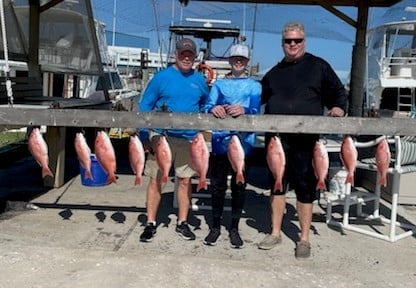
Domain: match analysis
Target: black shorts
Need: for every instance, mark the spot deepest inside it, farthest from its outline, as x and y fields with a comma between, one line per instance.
x=299, y=173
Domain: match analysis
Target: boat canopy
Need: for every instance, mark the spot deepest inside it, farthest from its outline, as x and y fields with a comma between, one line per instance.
x=67, y=36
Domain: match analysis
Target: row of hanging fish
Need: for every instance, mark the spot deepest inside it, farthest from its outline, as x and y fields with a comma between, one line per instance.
x=276, y=161
x=104, y=151
x=199, y=155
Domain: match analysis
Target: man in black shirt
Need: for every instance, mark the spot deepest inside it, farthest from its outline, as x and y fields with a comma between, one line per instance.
x=301, y=84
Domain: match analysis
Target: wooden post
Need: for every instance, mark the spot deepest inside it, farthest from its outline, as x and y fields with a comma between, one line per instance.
x=55, y=137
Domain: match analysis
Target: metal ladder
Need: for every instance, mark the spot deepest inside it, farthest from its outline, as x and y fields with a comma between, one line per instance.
x=405, y=99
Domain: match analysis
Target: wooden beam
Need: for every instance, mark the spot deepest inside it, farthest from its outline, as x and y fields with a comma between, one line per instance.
x=328, y=6
x=261, y=123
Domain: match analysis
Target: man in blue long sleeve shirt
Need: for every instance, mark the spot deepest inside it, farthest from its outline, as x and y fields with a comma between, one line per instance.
x=178, y=88
x=233, y=96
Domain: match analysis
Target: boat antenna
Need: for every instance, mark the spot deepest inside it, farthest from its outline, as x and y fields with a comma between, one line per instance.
x=114, y=21
x=156, y=19
x=6, y=56
x=254, y=31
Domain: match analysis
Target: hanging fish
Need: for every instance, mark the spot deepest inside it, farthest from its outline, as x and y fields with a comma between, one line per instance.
x=236, y=156
x=104, y=151
x=320, y=163
x=200, y=160
x=39, y=150
x=276, y=160
x=136, y=158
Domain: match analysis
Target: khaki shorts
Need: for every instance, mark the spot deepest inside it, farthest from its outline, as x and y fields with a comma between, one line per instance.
x=180, y=157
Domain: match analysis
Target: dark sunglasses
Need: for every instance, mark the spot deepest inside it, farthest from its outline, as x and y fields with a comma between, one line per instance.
x=296, y=40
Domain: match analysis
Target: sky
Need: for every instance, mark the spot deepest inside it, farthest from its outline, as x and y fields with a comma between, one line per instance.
x=327, y=36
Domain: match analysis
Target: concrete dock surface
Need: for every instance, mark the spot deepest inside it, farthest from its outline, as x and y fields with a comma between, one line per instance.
x=79, y=236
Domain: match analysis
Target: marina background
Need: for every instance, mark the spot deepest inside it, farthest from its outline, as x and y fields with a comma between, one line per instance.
x=328, y=36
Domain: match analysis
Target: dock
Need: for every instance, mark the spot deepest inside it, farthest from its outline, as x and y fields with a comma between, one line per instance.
x=83, y=236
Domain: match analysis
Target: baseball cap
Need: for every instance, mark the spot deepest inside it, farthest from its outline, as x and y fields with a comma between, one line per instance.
x=240, y=51
x=186, y=44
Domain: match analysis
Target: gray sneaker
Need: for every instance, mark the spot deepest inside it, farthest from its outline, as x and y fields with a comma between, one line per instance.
x=303, y=249
x=269, y=242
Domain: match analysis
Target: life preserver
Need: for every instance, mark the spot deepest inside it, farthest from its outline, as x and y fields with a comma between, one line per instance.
x=207, y=71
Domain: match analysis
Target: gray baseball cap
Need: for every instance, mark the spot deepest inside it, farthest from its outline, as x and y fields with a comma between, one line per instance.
x=186, y=44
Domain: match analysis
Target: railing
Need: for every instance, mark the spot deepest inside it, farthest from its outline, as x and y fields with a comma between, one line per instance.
x=21, y=117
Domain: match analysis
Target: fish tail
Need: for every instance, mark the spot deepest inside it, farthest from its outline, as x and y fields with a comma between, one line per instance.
x=239, y=179
x=202, y=185
x=383, y=181
x=88, y=174
x=138, y=180
x=164, y=179
x=278, y=186
x=321, y=185
x=46, y=171
x=350, y=179
x=111, y=178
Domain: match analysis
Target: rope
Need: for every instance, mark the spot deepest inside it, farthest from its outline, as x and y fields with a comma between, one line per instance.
x=6, y=56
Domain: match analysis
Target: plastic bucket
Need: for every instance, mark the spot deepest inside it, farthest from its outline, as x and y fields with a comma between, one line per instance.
x=337, y=177
x=98, y=174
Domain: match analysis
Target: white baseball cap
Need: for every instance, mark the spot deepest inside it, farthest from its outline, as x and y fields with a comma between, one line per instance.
x=239, y=50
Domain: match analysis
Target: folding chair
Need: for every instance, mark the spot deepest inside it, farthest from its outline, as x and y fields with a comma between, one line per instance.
x=358, y=198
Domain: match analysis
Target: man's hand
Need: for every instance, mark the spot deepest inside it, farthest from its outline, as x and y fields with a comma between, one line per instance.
x=336, y=112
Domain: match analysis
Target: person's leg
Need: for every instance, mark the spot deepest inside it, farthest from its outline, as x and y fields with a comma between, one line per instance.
x=153, y=196
x=219, y=175
x=183, y=171
x=277, y=206
x=218, y=178
x=277, y=209
x=304, y=211
x=184, y=198
x=238, y=193
x=305, y=189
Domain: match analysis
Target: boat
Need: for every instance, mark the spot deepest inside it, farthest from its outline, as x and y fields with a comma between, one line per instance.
x=217, y=35
x=391, y=67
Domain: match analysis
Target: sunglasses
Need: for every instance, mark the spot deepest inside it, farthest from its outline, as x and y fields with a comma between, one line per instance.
x=296, y=40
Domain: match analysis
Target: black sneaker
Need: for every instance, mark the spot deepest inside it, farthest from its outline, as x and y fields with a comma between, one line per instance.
x=184, y=230
x=235, y=239
x=148, y=233
x=212, y=237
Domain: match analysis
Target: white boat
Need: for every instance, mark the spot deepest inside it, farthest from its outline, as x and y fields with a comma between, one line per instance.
x=217, y=35
x=391, y=67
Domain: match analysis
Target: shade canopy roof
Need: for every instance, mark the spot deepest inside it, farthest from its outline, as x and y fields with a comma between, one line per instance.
x=370, y=3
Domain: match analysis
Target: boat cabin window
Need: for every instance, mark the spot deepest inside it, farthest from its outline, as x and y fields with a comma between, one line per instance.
x=113, y=81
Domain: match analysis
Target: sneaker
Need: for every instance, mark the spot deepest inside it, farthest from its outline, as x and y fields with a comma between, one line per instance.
x=148, y=233
x=269, y=242
x=212, y=237
x=184, y=230
x=303, y=249
x=235, y=239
